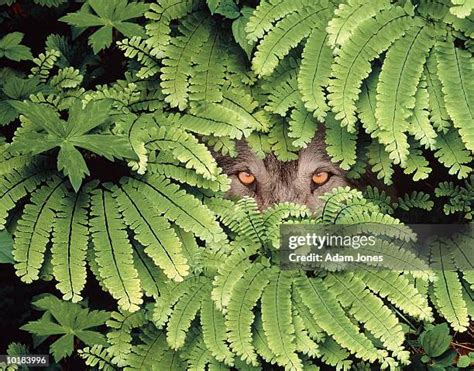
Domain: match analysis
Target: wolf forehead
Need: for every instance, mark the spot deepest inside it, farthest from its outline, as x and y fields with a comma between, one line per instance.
x=280, y=181
x=310, y=159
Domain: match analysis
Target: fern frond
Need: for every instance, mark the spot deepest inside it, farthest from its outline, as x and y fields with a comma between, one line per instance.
x=283, y=92
x=416, y=199
x=314, y=73
x=280, y=142
x=260, y=342
x=332, y=318
x=69, y=258
x=381, y=163
x=462, y=8
x=303, y=342
x=277, y=320
x=420, y=126
x=447, y=288
x=417, y=165
x=170, y=294
x=160, y=15
x=311, y=326
x=239, y=316
x=179, y=55
x=276, y=214
x=367, y=308
x=214, y=332
x=400, y=292
x=184, y=312
x=152, y=230
x=97, y=356
x=141, y=51
x=183, y=175
x=33, y=231
x=266, y=13
x=208, y=73
x=352, y=64
x=214, y=119
x=455, y=70
x=339, y=203
x=334, y=355
x=119, y=337
x=366, y=105
x=150, y=351
x=302, y=126
x=401, y=73
x=248, y=221
x=379, y=198
x=243, y=105
x=178, y=206
x=16, y=184
x=349, y=16
x=224, y=145
x=44, y=64
x=438, y=113
x=191, y=250
x=197, y=355
x=67, y=78
x=114, y=252
x=453, y=155
x=151, y=277
x=285, y=35
x=228, y=275
x=122, y=94
x=259, y=144
x=341, y=144
x=460, y=198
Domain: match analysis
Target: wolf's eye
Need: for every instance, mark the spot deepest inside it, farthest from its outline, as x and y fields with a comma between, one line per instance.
x=320, y=177
x=246, y=178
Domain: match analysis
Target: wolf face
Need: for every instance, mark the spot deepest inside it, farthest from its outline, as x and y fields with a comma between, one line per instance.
x=271, y=181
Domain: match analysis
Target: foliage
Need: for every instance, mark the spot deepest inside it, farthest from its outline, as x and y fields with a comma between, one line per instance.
x=108, y=176
x=67, y=320
x=11, y=48
x=110, y=15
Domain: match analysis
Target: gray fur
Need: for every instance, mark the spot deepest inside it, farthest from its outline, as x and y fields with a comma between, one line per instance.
x=278, y=181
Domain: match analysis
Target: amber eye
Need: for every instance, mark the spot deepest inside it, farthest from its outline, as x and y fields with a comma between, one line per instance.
x=246, y=178
x=320, y=177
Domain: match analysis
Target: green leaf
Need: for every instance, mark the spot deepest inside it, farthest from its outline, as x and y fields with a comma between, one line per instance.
x=302, y=126
x=72, y=164
x=68, y=320
x=6, y=247
x=455, y=70
x=69, y=258
x=11, y=48
x=352, y=65
x=113, y=251
x=277, y=320
x=239, y=317
x=228, y=8
x=314, y=73
x=341, y=144
x=464, y=361
x=285, y=35
x=34, y=227
x=238, y=30
x=453, y=154
x=436, y=340
x=398, y=81
x=153, y=231
x=109, y=15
